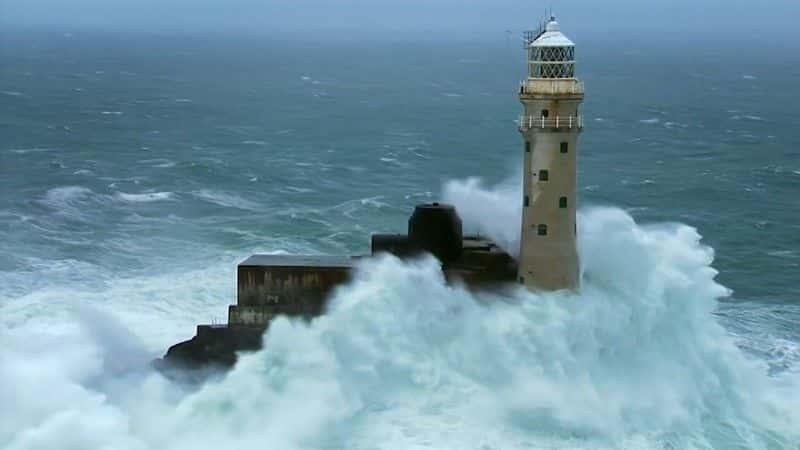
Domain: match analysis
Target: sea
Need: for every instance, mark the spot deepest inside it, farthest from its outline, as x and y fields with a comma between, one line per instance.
x=136, y=170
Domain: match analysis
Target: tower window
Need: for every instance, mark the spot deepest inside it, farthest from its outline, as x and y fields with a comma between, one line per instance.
x=522, y=280
x=527, y=146
x=562, y=202
x=545, y=113
x=564, y=147
x=544, y=175
x=541, y=230
x=526, y=201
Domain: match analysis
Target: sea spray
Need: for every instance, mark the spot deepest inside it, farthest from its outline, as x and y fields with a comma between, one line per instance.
x=495, y=211
x=403, y=360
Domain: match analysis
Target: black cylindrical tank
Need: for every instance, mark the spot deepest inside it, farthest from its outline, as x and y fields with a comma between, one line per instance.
x=436, y=228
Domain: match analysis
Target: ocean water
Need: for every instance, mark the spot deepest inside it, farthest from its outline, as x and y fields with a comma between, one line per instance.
x=135, y=171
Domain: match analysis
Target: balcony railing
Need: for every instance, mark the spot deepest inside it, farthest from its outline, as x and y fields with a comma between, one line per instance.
x=558, y=122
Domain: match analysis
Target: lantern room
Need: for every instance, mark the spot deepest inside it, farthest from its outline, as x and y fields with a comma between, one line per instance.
x=551, y=54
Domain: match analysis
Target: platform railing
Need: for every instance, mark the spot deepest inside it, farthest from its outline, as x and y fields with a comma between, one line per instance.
x=558, y=122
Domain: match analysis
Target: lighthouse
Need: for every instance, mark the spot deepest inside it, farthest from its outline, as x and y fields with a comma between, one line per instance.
x=549, y=124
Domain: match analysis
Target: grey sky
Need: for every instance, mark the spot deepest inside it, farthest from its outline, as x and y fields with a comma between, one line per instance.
x=723, y=17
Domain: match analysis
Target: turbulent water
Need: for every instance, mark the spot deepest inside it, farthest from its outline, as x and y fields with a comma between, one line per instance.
x=135, y=171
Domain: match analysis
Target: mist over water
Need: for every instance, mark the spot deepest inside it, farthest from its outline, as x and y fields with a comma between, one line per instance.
x=131, y=183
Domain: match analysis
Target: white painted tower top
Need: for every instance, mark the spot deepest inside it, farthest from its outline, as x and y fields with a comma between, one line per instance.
x=552, y=36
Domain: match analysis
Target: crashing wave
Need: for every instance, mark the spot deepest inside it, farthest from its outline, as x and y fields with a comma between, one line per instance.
x=401, y=359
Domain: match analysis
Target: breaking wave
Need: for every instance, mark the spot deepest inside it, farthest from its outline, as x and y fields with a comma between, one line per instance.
x=403, y=360
x=495, y=211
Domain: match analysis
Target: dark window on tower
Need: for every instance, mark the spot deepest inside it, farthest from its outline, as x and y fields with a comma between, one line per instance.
x=526, y=200
x=541, y=230
x=527, y=146
x=545, y=113
x=544, y=175
x=564, y=147
x=562, y=202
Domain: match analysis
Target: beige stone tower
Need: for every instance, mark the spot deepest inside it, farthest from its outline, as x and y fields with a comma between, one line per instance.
x=550, y=125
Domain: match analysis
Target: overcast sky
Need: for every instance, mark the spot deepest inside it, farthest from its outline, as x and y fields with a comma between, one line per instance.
x=731, y=18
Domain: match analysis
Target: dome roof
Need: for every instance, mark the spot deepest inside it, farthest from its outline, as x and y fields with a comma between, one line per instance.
x=552, y=37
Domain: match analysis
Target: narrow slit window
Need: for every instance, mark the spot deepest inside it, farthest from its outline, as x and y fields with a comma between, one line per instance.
x=527, y=146
x=562, y=202
x=527, y=201
x=544, y=175
x=541, y=230
x=564, y=147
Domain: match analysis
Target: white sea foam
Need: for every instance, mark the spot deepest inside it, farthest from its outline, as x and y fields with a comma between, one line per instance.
x=23, y=151
x=226, y=200
x=651, y=120
x=111, y=113
x=62, y=196
x=748, y=117
x=145, y=197
x=495, y=211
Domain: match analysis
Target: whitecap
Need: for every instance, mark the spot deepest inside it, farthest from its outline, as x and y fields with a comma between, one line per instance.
x=749, y=77
x=297, y=189
x=227, y=200
x=67, y=193
x=651, y=120
x=111, y=113
x=23, y=151
x=67, y=200
x=145, y=197
x=13, y=93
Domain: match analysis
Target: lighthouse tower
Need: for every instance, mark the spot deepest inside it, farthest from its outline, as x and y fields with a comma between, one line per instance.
x=550, y=124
